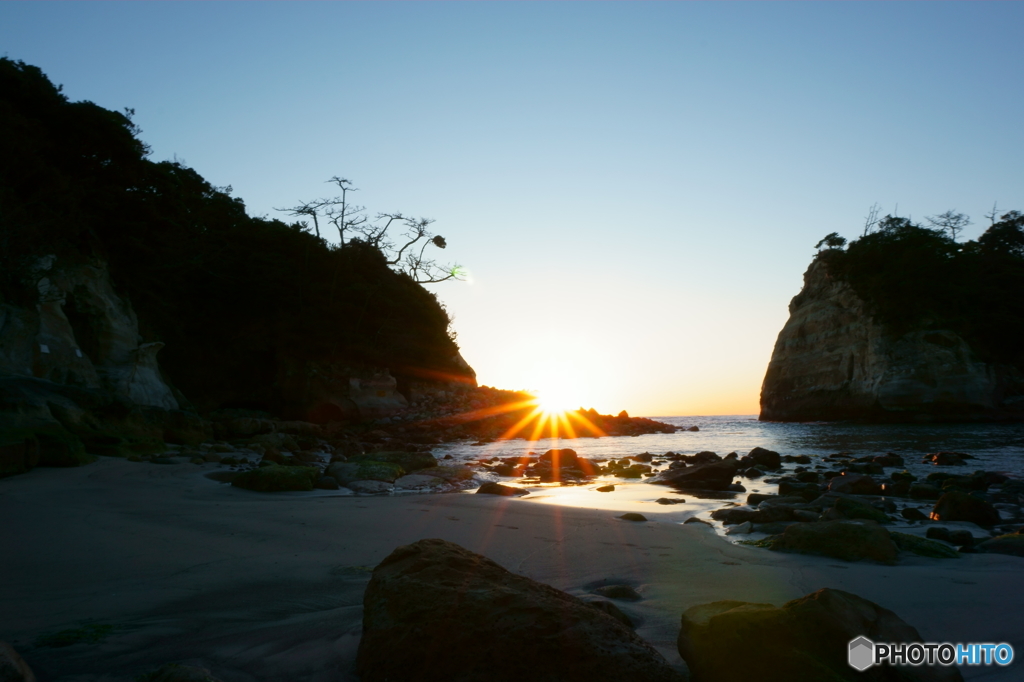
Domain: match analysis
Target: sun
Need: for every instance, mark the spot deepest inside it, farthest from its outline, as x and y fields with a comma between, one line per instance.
x=551, y=412
x=554, y=400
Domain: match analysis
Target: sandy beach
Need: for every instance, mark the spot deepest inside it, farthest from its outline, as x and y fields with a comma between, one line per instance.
x=259, y=586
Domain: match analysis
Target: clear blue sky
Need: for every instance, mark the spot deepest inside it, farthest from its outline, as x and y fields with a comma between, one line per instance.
x=635, y=188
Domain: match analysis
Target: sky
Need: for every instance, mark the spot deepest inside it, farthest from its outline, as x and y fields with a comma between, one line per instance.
x=634, y=189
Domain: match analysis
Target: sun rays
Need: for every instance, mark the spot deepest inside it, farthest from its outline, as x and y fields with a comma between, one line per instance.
x=534, y=418
x=549, y=418
x=554, y=400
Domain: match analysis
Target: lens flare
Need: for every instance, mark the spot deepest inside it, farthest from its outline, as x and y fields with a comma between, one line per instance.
x=554, y=401
x=533, y=415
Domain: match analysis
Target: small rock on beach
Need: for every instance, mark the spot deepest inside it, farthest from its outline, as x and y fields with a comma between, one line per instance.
x=492, y=488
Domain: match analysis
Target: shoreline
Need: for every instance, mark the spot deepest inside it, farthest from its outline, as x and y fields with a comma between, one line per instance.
x=254, y=585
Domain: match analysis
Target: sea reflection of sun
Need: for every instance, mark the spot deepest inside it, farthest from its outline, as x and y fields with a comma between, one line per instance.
x=545, y=415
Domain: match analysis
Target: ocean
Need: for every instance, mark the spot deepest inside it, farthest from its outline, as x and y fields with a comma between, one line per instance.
x=996, y=447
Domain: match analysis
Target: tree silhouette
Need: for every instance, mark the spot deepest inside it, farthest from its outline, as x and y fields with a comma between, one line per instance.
x=831, y=241
x=871, y=219
x=950, y=221
x=335, y=210
x=913, y=277
x=409, y=255
x=1005, y=237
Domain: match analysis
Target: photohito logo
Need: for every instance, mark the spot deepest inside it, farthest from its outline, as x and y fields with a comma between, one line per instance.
x=863, y=653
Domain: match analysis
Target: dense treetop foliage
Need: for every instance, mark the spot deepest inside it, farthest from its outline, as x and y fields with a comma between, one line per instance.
x=914, y=277
x=231, y=295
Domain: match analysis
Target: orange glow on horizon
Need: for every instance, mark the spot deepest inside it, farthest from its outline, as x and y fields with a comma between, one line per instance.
x=534, y=420
x=556, y=421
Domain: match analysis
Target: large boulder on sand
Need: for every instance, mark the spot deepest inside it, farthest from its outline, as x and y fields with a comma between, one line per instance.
x=806, y=640
x=957, y=506
x=436, y=611
x=846, y=540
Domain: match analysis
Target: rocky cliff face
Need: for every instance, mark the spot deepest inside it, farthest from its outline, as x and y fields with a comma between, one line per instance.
x=322, y=392
x=833, y=361
x=76, y=379
x=75, y=331
x=79, y=332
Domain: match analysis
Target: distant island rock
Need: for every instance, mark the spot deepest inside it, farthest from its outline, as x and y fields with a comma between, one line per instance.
x=903, y=356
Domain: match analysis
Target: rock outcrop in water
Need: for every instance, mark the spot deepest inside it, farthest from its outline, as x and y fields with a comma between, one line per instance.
x=834, y=360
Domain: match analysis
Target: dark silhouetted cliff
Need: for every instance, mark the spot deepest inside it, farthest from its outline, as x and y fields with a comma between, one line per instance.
x=250, y=312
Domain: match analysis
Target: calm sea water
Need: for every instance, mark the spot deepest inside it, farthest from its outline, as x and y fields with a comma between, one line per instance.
x=997, y=447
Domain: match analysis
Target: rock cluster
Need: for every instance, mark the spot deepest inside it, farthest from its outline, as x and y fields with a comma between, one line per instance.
x=842, y=513
x=369, y=473
x=429, y=605
x=47, y=424
x=707, y=471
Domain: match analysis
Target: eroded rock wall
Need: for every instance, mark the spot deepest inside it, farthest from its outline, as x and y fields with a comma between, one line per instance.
x=832, y=360
x=79, y=332
x=322, y=392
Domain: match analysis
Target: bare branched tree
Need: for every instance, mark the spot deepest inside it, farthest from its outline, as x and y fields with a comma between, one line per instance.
x=335, y=210
x=871, y=220
x=994, y=213
x=345, y=217
x=409, y=256
x=311, y=209
x=950, y=221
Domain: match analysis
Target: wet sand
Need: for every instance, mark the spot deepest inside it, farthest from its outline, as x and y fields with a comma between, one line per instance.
x=258, y=586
